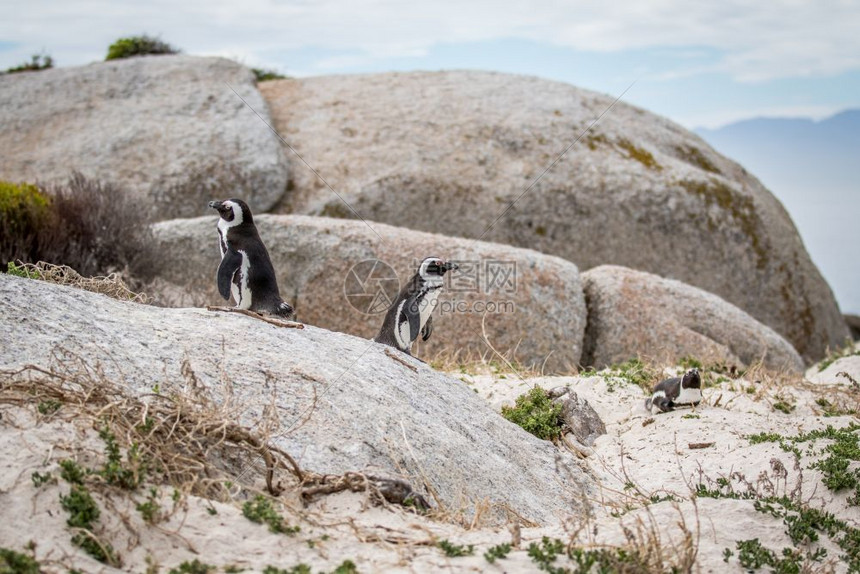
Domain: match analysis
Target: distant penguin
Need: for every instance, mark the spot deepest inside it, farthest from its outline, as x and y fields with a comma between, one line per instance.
x=686, y=390
x=246, y=271
x=409, y=315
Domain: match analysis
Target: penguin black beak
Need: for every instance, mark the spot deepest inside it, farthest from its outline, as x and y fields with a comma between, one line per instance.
x=450, y=265
x=215, y=204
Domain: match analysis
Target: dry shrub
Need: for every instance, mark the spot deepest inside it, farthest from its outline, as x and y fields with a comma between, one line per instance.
x=186, y=436
x=111, y=285
x=94, y=227
x=188, y=439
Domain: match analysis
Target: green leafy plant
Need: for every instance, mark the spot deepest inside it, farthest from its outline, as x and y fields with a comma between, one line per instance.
x=346, y=567
x=263, y=75
x=128, y=475
x=24, y=212
x=83, y=514
x=841, y=453
x=194, y=567
x=12, y=562
x=545, y=553
x=83, y=510
x=752, y=555
x=151, y=509
x=536, y=413
x=634, y=372
x=688, y=363
x=72, y=472
x=831, y=410
x=847, y=350
x=37, y=62
x=455, y=550
x=49, y=406
x=20, y=271
x=297, y=569
x=260, y=510
x=40, y=479
x=138, y=46
x=783, y=405
x=497, y=552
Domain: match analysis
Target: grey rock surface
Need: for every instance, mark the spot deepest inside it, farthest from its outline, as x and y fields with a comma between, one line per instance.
x=361, y=409
x=853, y=322
x=633, y=313
x=533, y=302
x=166, y=127
x=449, y=152
x=581, y=418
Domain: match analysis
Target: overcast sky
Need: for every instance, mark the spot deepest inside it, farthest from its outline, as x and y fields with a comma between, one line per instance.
x=699, y=63
x=702, y=64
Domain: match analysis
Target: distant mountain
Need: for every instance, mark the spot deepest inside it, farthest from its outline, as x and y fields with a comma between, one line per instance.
x=813, y=167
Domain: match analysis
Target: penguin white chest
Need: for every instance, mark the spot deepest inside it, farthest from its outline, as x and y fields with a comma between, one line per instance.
x=428, y=304
x=239, y=286
x=425, y=305
x=689, y=396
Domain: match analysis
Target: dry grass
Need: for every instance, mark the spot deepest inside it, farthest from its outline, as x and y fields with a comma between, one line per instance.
x=188, y=440
x=111, y=285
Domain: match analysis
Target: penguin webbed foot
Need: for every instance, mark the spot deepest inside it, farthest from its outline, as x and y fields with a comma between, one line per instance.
x=257, y=315
x=284, y=310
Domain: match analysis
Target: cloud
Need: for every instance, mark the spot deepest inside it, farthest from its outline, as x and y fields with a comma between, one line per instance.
x=757, y=41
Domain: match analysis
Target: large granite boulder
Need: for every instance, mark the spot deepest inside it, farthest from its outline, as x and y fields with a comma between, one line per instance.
x=167, y=127
x=449, y=152
x=344, y=404
x=633, y=313
x=853, y=322
x=343, y=274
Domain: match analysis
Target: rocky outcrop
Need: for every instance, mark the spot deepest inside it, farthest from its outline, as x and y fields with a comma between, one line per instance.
x=632, y=313
x=450, y=152
x=341, y=275
x=581, y=419
x=169, y=128
x=343, y=402
x=853, y=322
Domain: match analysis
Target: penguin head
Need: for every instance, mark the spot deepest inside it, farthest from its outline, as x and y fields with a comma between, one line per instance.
x=233, y=211
x=691, y=379
x=432, y=269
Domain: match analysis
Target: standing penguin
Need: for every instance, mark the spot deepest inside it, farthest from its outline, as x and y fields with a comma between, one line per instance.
x=686, y=390
x=246, y=271
x=409, y=315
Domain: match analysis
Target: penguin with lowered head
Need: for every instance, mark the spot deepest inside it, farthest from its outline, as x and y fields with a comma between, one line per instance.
x=246, y=271
x=409, y=315
x=668, y=394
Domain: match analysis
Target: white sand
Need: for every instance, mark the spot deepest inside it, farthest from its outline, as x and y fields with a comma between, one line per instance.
x=630, y=461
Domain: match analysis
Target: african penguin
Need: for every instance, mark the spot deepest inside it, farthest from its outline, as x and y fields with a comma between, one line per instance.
x=409, y=315
x=686, y=390
x=246, y=271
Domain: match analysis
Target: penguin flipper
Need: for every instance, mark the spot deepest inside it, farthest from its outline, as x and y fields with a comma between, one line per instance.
x=409, y=313
x=427, y=330
x=230, y=263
